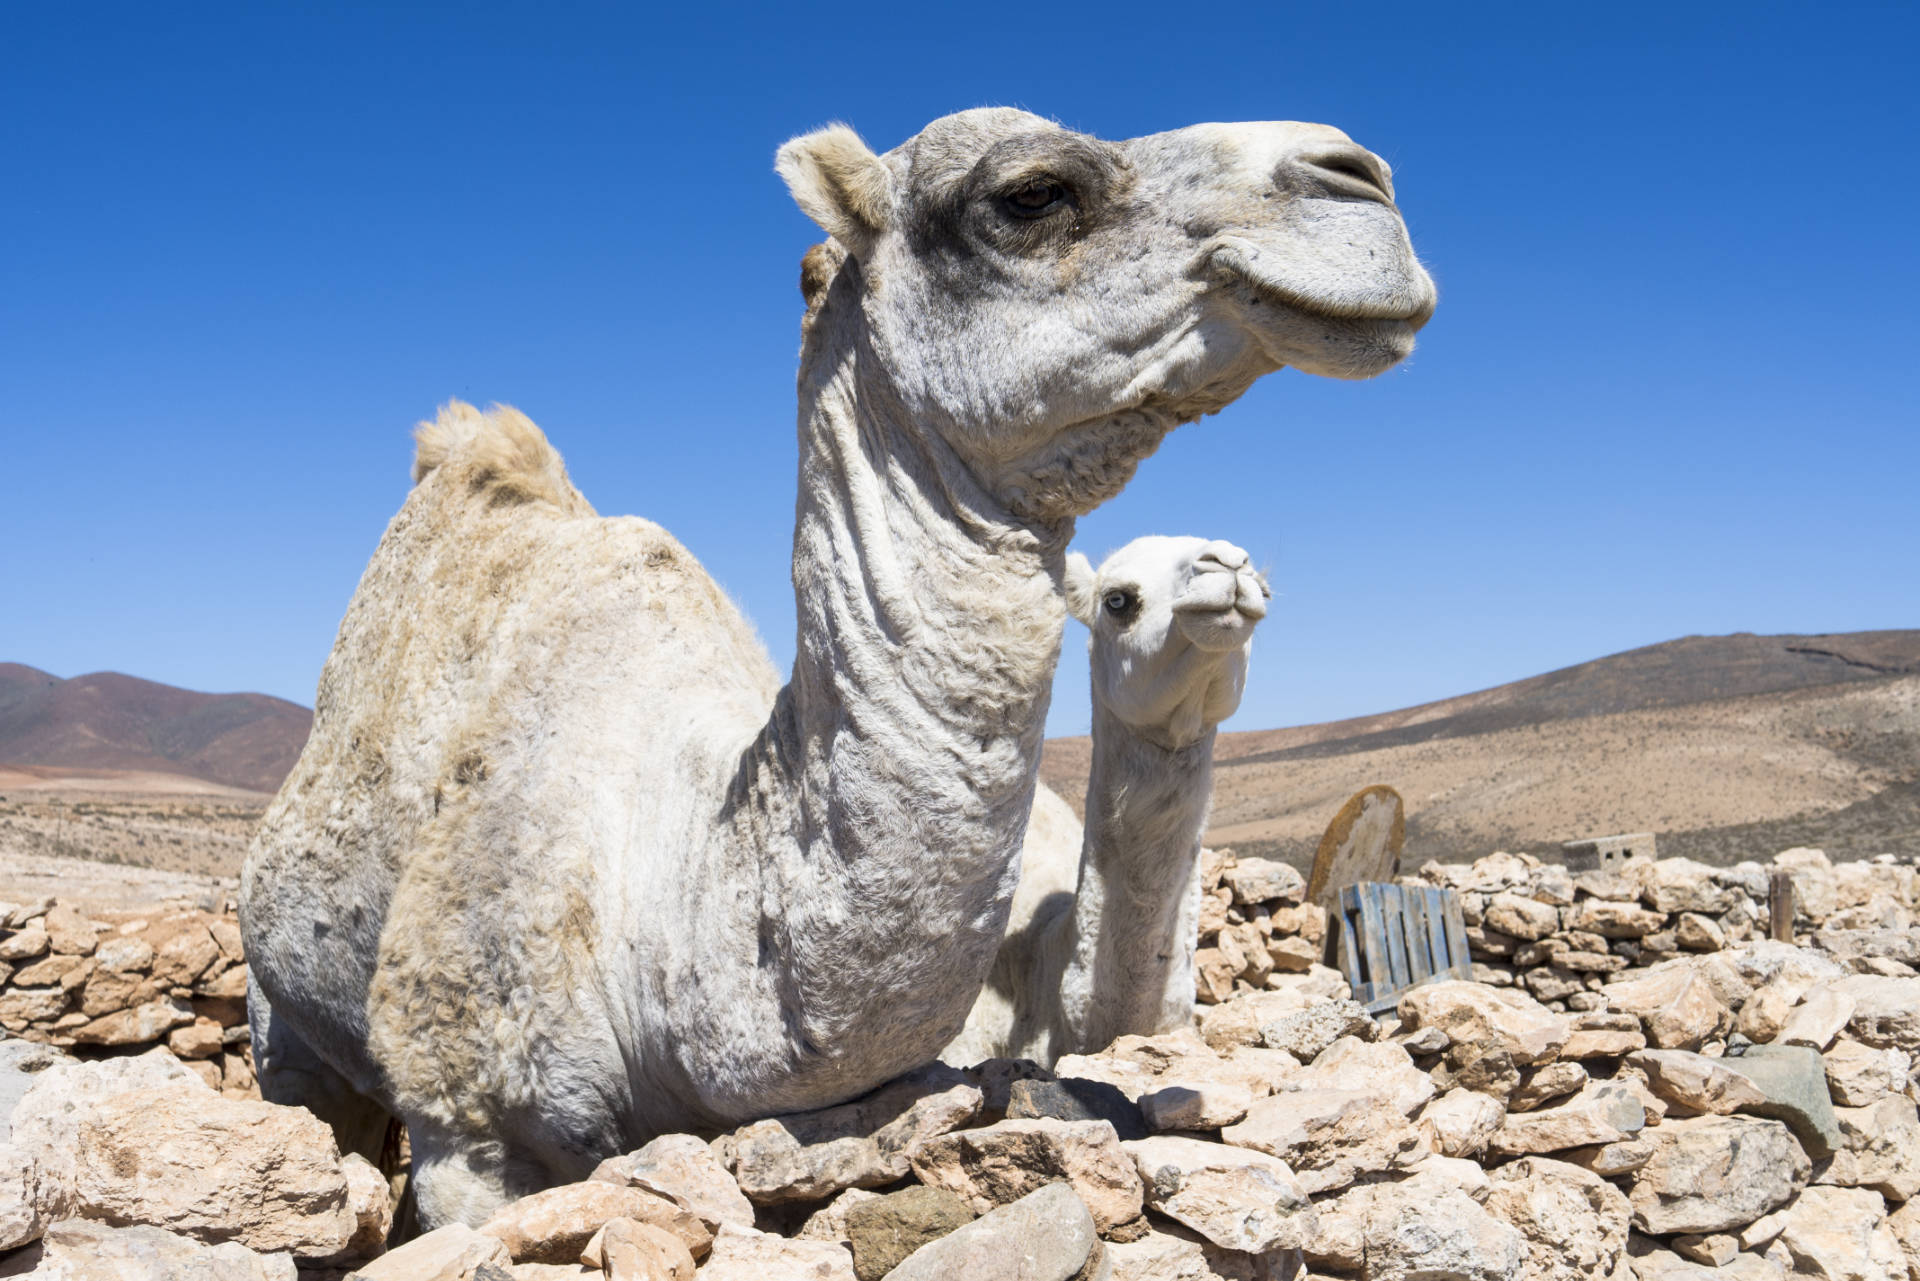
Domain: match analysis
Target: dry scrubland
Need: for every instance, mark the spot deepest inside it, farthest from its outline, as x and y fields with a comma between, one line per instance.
x=1636, y=1086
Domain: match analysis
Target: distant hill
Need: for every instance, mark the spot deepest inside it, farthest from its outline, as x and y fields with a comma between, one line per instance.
x=1728, y=746
x=107, y=721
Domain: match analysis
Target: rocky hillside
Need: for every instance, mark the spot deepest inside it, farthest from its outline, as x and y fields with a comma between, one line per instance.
x=107, y=721
x=1727, y=746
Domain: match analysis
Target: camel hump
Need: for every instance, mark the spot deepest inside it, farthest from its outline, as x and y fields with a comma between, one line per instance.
x=505, y=458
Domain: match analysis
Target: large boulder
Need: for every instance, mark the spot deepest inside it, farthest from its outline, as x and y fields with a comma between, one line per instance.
x=1716, y=1173
x=1574, y=1221
x=183, y=1158
x=1236, y=1198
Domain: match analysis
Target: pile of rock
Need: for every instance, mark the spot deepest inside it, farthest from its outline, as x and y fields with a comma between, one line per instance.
x=123, y=982
x=1564, y=936
x=1746, y=1112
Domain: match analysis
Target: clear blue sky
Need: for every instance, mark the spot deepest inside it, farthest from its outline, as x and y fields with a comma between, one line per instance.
x=1670, y=387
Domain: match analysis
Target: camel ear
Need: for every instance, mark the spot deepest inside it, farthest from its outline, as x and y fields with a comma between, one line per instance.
x=1080, y=587
x=839, y=183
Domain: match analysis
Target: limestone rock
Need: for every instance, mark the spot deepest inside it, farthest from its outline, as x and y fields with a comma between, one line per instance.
x=444, y=1254
x=1612, y=919
x=1174, y=1253
x=1520, y=916
x=1820, y=1017
x=1603, y=1043
x=810, y=1156
x=1574, y=1221
x=68, y=931
x=186, y=1159
x=1905, y=1226
x=1840, y=1234
x=1546, y=1083
x=1460, y=1122
x=1487, y=1018
x=1601, y=1113
x=1765, y=1014
x=629, y=1250
x=1676, y=1005
x=1672, y=885
x=1412, y=1232
x=1697, y=1083
x=1859, y=1076
x=137, y=1026
x=1610, y=1160
x=1239, y=1021
x=1260, y=880
x=553, y=1226
x=1879, y=1148
x=1046, y=1235
x=829, y=1222
x=24, y=945
x=47, y=1119
x=744, y=1254
x=20, y=1217
x=1201, y=1105
x=1716, y=1174
x=1329, y=1137
x=1305, y=1033
x=886, y=1229
x=1886, y=1010
x=82, y=1250
x=1381, y=1066
x=369, y=1199
x=1235, y=1198
x=683, y=1169
x=1139, y=1064
x=1002, y=1163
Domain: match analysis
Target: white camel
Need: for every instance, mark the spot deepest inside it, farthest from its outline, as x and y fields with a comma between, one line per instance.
x=1101, y=937
x=564, y=866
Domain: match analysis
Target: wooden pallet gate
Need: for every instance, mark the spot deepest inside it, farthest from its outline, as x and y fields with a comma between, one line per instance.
x=1388, y=938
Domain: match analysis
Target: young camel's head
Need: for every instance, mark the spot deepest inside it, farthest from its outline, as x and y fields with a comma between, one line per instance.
x=1052, y=304
x=1172, y=622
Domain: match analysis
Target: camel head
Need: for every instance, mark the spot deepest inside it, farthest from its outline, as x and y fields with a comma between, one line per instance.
x=1172, y=622
x=1052, y=303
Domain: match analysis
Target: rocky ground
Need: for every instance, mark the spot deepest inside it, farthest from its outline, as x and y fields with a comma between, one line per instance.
x=1636, y=1086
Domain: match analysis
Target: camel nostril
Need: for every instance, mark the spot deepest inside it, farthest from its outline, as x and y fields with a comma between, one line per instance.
x=1352, y=172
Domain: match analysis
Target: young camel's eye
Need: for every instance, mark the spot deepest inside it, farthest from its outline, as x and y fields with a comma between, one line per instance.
x=1036, y=198
x=1119, y=602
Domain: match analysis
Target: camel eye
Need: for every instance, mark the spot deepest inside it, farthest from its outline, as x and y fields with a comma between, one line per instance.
x=1035, y=198
x=1119, y=602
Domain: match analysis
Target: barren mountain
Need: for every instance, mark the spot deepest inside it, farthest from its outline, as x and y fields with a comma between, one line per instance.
x=106, y=721
x=1727, y=746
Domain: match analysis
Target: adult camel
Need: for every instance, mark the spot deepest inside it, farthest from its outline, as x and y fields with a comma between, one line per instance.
x=564, y=866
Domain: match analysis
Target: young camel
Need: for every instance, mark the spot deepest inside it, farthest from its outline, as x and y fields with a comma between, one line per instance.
x=1101, y=937
x=563, y=866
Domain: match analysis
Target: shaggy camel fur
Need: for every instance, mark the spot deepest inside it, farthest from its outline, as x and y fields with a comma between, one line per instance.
x=563, y=866
x=1101, y=937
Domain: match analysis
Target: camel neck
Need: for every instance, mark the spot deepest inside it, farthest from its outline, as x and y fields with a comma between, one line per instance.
x=929, y=624
x=1130, y=936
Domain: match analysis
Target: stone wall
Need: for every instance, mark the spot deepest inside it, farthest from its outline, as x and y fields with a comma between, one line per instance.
x=122, y=982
